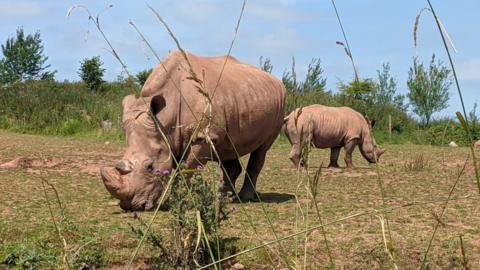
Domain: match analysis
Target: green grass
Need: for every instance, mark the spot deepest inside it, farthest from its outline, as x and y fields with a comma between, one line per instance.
x=27, y=233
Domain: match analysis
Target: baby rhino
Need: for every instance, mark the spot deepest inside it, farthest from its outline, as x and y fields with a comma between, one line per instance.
x=330, y=127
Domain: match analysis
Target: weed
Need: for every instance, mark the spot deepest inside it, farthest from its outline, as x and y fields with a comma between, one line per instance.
x=199, y=213
x=416, y=164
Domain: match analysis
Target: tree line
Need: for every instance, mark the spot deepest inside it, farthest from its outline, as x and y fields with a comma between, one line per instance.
x=428, y=84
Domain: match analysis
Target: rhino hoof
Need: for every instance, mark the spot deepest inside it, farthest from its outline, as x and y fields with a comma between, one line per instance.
x=248, y=196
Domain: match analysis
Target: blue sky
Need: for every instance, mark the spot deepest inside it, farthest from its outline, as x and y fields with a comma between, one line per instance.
x=378, y=31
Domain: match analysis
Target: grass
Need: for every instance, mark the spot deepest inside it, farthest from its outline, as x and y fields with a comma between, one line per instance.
x=25, y=222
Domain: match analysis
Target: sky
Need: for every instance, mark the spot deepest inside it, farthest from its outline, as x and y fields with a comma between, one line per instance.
x=378, y=32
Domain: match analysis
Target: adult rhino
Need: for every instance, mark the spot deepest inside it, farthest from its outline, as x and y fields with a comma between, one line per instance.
x=245, y=117
x=330, y=127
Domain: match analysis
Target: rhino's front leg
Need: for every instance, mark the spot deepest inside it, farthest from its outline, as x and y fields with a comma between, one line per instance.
x=255, y=165
x=231, y=171
x=349, y=147
x=334, y=153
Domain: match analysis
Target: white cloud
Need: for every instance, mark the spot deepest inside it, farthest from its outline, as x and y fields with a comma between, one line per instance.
x=469, y=70
x=20, y=9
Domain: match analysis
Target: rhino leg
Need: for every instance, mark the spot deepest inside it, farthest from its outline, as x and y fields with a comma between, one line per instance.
x=334, y=153
x=295, y=155
x=255, y=165
x=349, y=147
x=231, y=171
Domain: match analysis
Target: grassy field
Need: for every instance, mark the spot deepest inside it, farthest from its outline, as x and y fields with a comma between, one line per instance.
x=417, y=181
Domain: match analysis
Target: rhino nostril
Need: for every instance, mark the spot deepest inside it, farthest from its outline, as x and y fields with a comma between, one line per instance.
x=122, y=167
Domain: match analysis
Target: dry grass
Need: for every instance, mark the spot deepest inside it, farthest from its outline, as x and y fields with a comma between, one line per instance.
x=358, y=242
x=418, y=163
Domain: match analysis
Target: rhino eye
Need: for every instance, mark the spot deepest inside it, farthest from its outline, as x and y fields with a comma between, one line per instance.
x=149, y=166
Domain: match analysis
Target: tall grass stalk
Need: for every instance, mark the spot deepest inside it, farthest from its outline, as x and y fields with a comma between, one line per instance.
x=390, y=244
x=164, y=68
x=457, y=84
x=55, y=224
x=374, y=212
x=444, y=208
x=205, y=93
x=96, y=22
x=157, y=126
x=464, y=256
x=208, y=108
x=313, y=191
x=346, y=40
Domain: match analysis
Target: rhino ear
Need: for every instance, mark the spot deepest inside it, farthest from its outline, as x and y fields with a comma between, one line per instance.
x=157, y=103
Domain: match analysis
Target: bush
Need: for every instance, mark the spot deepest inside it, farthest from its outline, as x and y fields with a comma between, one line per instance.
x=142, y=76
x=91, y=72
x=180, y=246
x=51, y=108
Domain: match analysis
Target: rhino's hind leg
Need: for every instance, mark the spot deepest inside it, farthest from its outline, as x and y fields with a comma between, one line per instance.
x=231, y=171
x=349, y=147
x=334, y=153
x=255, y=165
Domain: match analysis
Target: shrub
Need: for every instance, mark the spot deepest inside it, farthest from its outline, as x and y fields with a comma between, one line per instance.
x=52, y=108
x=23, y=59
x=186, y=246
x=91, y=72
x=142, y=76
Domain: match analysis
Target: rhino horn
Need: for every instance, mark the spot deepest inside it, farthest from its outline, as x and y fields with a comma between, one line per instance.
x=114, y=183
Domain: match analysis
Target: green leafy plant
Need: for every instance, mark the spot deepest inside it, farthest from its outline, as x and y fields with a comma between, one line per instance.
x=142, y=76
x=23, y=59
x=428, y=88
x=91, y=72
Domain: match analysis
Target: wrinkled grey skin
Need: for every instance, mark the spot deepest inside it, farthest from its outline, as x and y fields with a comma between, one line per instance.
x=330, y=127
x=246, y=117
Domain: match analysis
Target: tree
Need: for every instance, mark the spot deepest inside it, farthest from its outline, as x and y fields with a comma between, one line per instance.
x=142, y=76
x=266, y=65
x=358, y=89
x=428, y=89
x=386, y=88
x=91, y=72
x=23, y=59
x=314, y=81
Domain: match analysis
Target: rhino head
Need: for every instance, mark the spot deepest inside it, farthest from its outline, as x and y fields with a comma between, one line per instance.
x=133, y=179
x=368, y=148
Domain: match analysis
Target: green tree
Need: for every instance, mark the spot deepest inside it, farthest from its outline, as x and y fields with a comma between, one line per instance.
x=428, y=88
x=386, y=90
x=358, y=89
x=91, y=72
x=23, y=59
x=142, y=76
x=314, y=81
x=266, y=65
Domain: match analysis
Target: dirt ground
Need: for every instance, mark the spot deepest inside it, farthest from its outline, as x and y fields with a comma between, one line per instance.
x=414, y=196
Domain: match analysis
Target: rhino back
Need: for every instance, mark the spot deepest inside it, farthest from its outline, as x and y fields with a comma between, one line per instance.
x=334, y=126
x=247, y=103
